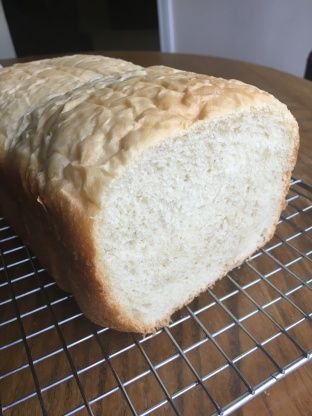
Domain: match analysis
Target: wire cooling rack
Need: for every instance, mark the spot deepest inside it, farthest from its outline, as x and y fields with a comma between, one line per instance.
x=229, y=345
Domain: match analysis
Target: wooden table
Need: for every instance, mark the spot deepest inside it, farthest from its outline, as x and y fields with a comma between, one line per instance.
x=291, y=396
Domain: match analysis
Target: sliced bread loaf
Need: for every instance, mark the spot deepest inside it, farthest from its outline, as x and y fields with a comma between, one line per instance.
x=138, y=188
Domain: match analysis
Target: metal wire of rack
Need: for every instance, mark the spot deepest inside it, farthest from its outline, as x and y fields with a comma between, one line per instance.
x=51, y=357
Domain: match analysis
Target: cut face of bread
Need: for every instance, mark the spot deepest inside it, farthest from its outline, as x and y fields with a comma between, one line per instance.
x=190, y=209
x=138, y=188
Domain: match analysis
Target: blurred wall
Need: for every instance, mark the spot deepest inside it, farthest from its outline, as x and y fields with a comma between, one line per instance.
x=6, y=45
x=43, y=27
x=275, y=33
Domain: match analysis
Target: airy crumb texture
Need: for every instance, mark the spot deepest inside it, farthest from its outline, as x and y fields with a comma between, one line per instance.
x=137, y=188
x=190, y=209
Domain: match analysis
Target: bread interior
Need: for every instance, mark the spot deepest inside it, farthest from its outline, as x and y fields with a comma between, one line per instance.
x=190, y=208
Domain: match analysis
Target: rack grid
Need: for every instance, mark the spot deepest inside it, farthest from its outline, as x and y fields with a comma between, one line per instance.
x=230, y=344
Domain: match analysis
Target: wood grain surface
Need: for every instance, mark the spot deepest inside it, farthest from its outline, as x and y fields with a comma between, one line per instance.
x=75, y=360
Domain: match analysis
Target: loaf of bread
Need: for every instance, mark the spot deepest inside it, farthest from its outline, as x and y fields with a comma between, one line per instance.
x=137, y=188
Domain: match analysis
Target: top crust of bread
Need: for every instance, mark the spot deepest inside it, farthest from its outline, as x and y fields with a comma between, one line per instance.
x=88, y=123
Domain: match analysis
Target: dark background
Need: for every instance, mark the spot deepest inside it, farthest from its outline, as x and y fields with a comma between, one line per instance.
x=41, y=27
